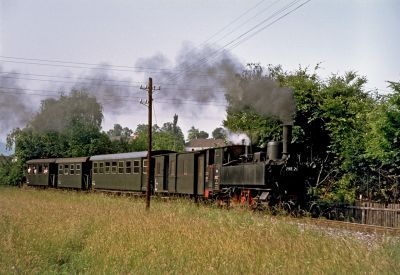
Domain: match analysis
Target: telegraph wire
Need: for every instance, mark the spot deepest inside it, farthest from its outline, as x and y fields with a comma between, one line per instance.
x=108, y=67
x=241, y=39
x=263, y=28
x=68, y=77
x=220, y=50
x=82, y=63
x=62, y=92
x=102, y=67
x=99, y=66
x=248, y=20
x=217, y=52
x=72, y=82
x=200, y=88
x=232, y=22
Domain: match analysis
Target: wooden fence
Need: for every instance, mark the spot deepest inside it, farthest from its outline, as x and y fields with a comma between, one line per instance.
x=372, y=213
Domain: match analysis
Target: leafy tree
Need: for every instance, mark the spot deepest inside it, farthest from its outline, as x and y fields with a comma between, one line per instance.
x=383, y=148
x=219, y=133
x=10, y=172
x=58, y=114
x=118, y=131
x=194, y=133
x=171, y=136
x=330, y=123
x=139, y=142
x=65, y=127
x=120, y=138
x=168, y=137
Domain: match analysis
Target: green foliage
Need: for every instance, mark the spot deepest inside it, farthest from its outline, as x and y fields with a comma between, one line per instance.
x=383, y=147
x=168, y=137
x=57, y=115
x=219, y=133
x=67, y=127
x=10, y=172
x=64, y=127
x=119, y=132
x=259, y=129
x=194, y=133
x=351, y=136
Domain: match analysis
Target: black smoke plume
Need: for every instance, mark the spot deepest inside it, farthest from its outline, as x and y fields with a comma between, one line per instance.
x=207, y=75
x=15, y=105
x=113, y=92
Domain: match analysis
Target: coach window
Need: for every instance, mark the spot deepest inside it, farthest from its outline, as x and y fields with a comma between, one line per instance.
x=120, y=167
x=136, y=167
x=107, y=164
x=114, y=167
x=172, y=168
x=40, y=169
x=72, y=169
x=95, y=169
x=66, y=169
x=60, y=169
x=145, y=166
x=128, y=167
x=101, y=167
x=77, y=169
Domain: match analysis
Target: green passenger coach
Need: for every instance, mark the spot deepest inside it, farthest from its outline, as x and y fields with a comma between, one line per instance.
x=125, y=171
x=73, y=173
x=41, y=172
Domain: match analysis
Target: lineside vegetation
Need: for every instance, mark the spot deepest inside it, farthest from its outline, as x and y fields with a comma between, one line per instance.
x=46, y=231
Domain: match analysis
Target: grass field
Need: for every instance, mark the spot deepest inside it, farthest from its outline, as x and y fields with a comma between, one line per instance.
x=45, y=231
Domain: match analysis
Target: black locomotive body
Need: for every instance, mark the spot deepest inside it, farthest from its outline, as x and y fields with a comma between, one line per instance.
x=249, y=175
x=236, y=173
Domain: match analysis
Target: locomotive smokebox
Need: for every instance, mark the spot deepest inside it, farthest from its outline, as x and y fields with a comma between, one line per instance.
x=286, y=140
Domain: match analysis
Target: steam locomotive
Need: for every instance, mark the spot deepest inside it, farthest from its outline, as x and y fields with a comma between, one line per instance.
x=236, y=173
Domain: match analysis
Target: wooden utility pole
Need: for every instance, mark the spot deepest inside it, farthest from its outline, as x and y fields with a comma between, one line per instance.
x=150, y=89
x=149, y=140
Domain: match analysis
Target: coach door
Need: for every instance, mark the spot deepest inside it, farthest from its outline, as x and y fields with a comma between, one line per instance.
x=200, y=175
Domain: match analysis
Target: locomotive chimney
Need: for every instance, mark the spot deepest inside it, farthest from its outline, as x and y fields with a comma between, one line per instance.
x=287, y=139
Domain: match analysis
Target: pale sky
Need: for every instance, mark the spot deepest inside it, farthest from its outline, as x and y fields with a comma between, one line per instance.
x=359, y=35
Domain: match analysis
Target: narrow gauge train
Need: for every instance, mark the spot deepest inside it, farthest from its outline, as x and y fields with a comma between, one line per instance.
x=233, y=173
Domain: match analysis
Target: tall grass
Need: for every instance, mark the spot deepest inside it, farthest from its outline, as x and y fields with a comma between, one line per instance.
x=44, y=231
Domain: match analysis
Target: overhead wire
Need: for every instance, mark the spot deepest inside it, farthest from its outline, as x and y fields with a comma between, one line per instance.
x=200, y=88
x=233, y=43
x=100, y=66
x=61, y=92
x=217, y=52
x=232, y=22
x=273, y=22
x=247, y=21
x=7, y=73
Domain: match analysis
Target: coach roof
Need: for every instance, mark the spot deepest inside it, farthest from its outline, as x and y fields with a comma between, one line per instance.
x=32, y=161
x=130, y=155
x=71, y=160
